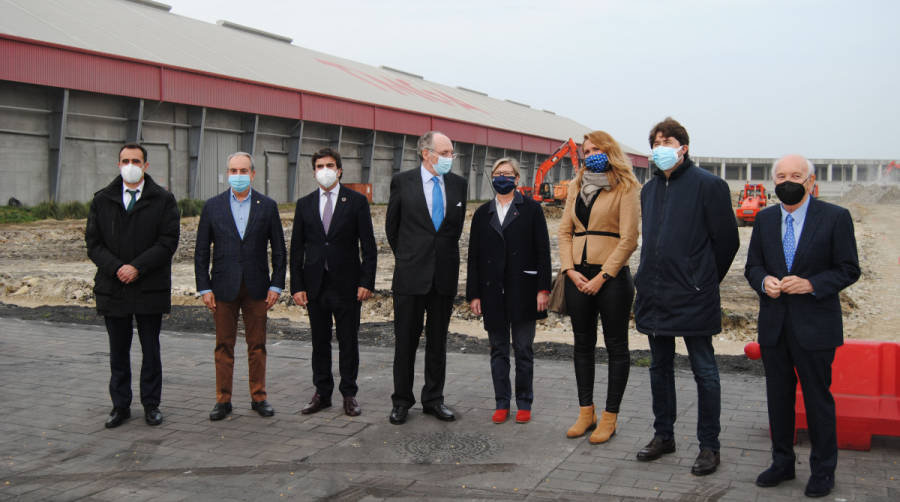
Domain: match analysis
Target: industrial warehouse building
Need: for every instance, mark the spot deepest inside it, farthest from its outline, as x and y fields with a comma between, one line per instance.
x=76, y=82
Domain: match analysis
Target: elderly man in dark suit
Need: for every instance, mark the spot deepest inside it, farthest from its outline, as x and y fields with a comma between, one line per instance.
x=132, y=232
x=802, y=254
x=425, y=216
x=241, y=225
x=331, y=226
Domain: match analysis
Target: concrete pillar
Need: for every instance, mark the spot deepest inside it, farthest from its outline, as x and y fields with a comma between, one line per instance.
x=749, y=171
x=830, y=166
x=855, y=175
x=294, y=160
x=722, y=170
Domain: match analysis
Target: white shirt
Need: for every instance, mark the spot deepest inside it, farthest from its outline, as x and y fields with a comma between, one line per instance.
x=428, y=187
x=323, y=199
x=501, y=209
x=126, y=197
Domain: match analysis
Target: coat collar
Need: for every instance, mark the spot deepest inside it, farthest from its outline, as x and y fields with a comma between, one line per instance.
x=511, y=214
x=810, y=225
x=686, y=164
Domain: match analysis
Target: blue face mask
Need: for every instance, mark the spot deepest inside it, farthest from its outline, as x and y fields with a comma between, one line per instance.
x=665, y=157
x=503, y=184
x=239, y=182
x=597, y=163
x=443, y=165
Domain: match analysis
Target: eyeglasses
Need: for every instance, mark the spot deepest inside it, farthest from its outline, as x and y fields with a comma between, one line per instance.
x=446, y=154
x=508, y=174
x=795, y=177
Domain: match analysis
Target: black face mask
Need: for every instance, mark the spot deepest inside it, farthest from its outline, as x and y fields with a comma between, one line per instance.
x=790, y=192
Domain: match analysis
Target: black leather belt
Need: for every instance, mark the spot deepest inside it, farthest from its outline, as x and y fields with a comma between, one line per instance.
x=597, y=232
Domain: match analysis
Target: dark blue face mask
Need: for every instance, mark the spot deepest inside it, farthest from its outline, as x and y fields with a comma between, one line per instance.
x=597, y=163
x=504, y=184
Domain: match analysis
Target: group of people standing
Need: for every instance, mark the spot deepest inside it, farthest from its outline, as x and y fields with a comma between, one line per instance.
x=689, y=242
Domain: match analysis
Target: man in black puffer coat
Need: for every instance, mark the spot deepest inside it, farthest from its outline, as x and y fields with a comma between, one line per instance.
x=132, y=232
x=689, y=241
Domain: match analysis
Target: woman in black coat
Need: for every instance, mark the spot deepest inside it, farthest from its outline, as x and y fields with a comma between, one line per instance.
x=509, y=283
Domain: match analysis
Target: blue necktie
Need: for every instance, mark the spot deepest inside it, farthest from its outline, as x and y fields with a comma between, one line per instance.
x=790, y=245
x=437, y=203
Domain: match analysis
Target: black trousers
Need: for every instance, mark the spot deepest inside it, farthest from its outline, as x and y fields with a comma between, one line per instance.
x=409, y=311
x=613, y=305
x=120, y=333
x=522, y=335
x=344, y=311
x=814, y=369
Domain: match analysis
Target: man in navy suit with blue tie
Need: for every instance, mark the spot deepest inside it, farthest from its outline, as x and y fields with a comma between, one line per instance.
x=332, y=229
x=802, y=254
x=425, y=216
x=241, y=225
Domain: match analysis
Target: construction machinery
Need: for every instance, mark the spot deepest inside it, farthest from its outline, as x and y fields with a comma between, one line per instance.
x=752, y=200
x=547, y=192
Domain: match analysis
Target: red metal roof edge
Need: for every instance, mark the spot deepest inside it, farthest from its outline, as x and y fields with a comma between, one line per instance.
x=163, y=66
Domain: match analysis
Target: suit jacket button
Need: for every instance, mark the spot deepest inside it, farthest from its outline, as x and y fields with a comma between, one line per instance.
x=326, y=243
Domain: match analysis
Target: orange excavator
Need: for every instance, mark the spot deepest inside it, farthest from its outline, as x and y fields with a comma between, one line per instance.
x=892, y=169
x=752, y=200
x=547, y=192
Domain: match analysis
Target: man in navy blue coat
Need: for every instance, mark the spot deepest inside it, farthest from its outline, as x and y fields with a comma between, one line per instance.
x=690, y=239
x=241, y=224
x=802, y=254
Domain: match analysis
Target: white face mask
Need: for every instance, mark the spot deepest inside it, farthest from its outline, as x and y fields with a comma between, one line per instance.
x=326, y=177
x=131, y=173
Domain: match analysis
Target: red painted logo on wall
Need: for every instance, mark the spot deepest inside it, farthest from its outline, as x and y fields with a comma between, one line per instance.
x=402, y=87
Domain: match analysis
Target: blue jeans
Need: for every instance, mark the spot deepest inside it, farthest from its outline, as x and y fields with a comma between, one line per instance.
x=522, y=335
x=709, y=392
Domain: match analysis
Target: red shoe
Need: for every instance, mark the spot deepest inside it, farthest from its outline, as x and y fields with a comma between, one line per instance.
x=500, y=416
x=523, y=416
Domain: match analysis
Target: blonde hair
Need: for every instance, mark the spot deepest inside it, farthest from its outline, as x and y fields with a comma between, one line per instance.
x=620, y=167
x=513, y=163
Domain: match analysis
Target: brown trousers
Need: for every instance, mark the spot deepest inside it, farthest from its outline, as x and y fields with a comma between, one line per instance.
x=226, y=317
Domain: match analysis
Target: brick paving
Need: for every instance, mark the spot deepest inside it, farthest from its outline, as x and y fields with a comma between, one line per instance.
x=53, y=445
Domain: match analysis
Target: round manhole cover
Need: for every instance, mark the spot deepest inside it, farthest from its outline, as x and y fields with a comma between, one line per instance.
x=443, y=447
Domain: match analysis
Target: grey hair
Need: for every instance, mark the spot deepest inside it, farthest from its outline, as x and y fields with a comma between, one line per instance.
x=513, y=163
x=426, y=141
x=241, y=154
x=811, y=168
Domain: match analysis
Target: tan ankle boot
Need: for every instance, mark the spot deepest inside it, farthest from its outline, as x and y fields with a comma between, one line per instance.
x=606, y=427
x=586, y=420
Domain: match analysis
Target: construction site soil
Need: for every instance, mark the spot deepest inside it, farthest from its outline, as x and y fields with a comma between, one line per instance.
x=45, y=274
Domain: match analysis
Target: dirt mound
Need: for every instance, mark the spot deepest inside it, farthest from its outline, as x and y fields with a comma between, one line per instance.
x=872, y=194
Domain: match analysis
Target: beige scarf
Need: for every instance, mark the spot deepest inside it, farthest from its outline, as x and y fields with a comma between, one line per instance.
x=591, y=183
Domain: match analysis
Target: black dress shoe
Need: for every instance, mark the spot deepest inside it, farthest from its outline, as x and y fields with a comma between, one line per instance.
x=656, y=448
x=220, y=411
x=263, y=408
x=440, y=412
x=152, y=415
x=317, y=403
x=774, y=475
x=117, y=417
x=707, y=462
x=819, y=486
x=351, y=407
x=398, y=415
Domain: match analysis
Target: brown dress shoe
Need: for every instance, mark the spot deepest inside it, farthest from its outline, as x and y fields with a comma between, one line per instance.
x=317, y=403
x=351, y=407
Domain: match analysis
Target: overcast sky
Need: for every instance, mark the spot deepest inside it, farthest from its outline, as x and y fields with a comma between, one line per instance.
x=746, y=78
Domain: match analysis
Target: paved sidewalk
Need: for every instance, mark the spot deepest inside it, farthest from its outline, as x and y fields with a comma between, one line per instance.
x=53, y=445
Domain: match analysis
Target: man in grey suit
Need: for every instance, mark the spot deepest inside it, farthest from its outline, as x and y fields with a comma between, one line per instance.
x=241, y=224
x=425, y=216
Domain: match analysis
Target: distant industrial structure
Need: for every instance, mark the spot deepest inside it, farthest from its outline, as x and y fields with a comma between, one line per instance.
x=79, y=79
x=834, y=176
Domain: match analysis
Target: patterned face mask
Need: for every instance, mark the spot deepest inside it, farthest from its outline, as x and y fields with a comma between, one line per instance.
x=597, y=163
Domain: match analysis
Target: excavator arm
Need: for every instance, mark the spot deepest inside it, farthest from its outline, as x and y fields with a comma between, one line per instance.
x=568, y=148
